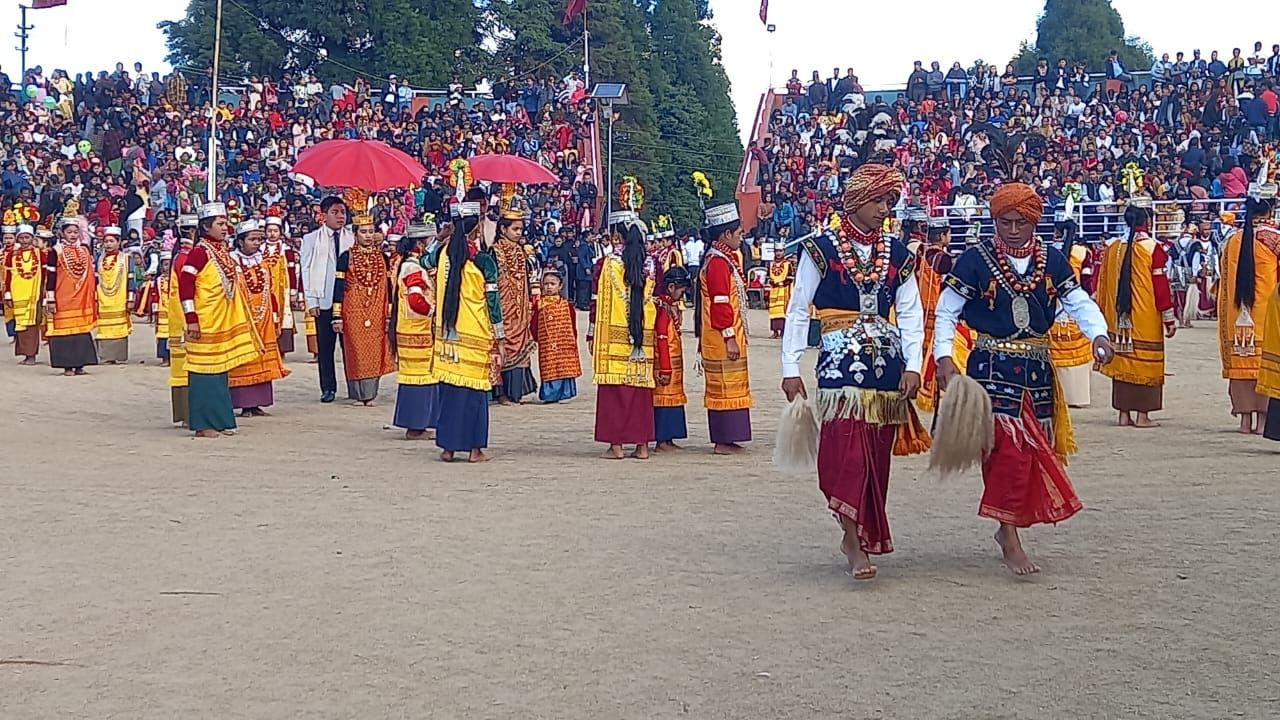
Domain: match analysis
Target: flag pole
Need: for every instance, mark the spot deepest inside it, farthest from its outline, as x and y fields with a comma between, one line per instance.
x=586, y=51
x=212, y=184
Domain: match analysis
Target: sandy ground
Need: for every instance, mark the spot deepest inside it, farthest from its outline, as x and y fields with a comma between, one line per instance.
x=318, y=566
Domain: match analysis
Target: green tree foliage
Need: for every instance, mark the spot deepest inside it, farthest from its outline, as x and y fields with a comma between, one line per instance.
x=419, y=40
x=679, y=119
x=1085, y=30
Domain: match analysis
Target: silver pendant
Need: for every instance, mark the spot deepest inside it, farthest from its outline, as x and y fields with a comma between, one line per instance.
x=1021, y=313
x=869, y=303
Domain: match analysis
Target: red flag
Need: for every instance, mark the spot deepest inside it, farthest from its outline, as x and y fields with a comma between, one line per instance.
x=42, y=4
x=764, y=11
x=575, y=7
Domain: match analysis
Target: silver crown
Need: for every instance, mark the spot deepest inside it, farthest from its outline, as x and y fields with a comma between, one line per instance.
x=187, y=221
x=248, y=226
x=722, y=214
x=467, y=209
x=621, y=216
x=421, y=231
x=211, y=210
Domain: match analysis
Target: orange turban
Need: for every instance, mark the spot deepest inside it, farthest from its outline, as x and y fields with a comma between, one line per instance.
x=1019, y=198
x=870, y=182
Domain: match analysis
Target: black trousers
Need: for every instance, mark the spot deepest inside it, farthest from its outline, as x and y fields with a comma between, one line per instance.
x=326, y=343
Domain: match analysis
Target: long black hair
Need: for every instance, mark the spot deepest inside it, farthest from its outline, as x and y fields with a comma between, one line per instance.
x=633, y=261
x=404, y=247
x=456, y=253
x=1245, y=278
x=1134, y=217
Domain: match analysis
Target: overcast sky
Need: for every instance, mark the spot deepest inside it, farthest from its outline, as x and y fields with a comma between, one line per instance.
x=876, y=39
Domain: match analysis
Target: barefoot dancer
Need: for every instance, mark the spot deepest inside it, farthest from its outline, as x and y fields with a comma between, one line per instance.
x=1134, y=294
x=412, y=315
x=1250, y=263
x=868, y=368
x=517, y=309
x=251, y=383
x=71, y=291
x=468, y=328
x=115, y=297
x=1008, y=290
x=23, y=280
x=669, y=397
x=555, y=326
x=361, y=312
x=220, y=336
x=722, y=304
x=622, y=351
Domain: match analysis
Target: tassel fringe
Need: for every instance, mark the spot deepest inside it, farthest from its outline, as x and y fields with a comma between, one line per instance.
x=874, y=407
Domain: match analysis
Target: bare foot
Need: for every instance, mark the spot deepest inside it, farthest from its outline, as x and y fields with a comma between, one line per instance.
x=1125, y=420
x=228, y=433
x=415, y=435
x=81, y=371
x=28, y=361
x=1144, y=421
x=1015, y=558
x=613, y=453
x=641, y=452
x=666, y=447
x=1246, y=424
x=504, y=400
x=728, y=449
x=477, y=456
x=860, y=566
x=446, y=456
x=68, y=373
x=208, y=434
x=164, y=363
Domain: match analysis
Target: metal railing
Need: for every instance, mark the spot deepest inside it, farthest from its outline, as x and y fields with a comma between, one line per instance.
x=1095, y=221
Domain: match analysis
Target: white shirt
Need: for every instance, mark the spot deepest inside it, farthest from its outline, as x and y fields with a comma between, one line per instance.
x=1079, y=306
x=319, y=262
x=795, y=338
x=693, y=252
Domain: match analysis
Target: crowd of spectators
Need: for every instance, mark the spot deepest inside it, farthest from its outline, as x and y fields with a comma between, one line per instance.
x=130, y=146
x=1194, y=130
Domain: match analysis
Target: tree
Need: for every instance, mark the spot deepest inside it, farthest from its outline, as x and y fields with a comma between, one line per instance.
x=1081, y=30
x=420, y=40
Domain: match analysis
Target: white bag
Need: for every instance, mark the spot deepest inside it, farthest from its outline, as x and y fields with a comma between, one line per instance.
x=796, y=449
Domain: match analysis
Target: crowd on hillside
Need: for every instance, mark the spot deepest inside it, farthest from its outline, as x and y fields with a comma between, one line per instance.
x=130, y=146
x=1190, y=130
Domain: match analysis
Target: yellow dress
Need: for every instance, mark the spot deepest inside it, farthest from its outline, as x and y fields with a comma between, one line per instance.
x=114, y=322
x=465, y=357
x=228, y=338
x=415, y=334
x=1138, y=339
x=614, y=359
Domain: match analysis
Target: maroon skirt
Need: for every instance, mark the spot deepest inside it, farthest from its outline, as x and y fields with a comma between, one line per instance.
x=624, y=415
x=853, y=472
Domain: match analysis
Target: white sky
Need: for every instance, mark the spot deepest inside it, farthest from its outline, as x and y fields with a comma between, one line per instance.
x=877, y=39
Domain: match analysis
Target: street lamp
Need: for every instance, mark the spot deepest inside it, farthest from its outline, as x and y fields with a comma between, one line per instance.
x=610, y=94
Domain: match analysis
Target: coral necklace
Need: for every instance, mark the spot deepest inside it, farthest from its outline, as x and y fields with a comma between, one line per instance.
x=1018, y=283
x=870, y=270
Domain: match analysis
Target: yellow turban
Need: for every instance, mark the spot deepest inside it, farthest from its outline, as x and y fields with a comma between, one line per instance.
x=1019, y=198
x=870, y=182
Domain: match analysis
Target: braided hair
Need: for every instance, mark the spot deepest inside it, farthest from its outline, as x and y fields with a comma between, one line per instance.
x=1245, y=280
x=1134, y=217
x=633, y=274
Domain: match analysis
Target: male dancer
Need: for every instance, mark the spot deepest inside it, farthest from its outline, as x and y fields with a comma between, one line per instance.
x=1008, y=290
x=869, y=368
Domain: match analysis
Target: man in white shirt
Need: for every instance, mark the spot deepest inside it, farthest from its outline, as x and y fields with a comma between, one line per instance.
x=868, y=368
x=319, y=261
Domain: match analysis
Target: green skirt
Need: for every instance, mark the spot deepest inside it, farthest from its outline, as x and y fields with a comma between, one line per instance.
x=209, y=402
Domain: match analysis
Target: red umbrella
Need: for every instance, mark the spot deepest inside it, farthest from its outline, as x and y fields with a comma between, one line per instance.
x=365, y=164
x=510, y=169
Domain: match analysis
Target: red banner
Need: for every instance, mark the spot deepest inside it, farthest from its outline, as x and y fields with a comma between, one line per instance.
x=575, y=7
x=764, y=11
x=42, y=4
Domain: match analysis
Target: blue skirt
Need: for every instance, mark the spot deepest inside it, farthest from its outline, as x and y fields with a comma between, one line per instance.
x=516, y=383
x=11, y=327
x=669, y=424
x=554, y=391
x=162, y=348
x=463, y=423
x=417, y=407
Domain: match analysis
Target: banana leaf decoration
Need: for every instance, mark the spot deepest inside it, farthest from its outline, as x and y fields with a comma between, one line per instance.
x=631, y=193
x=1131, y=178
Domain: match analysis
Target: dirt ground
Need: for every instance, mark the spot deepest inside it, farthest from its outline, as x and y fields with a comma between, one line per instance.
x=318, y=566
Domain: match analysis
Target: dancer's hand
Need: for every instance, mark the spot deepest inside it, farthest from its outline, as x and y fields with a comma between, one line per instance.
x=1170, y=329
x=664, y=378
x=731, y=349
x=791, y=387
x=946, y=370
x=193, y=331
x=1102, y=350
x=910, y=384
x=337, y=325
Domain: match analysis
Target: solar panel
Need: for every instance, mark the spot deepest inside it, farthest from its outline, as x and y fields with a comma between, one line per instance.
x=610, y=91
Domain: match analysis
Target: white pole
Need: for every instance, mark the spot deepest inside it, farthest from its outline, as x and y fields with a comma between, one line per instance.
x=586, y=52
x=213, y=108
x=608, y=190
